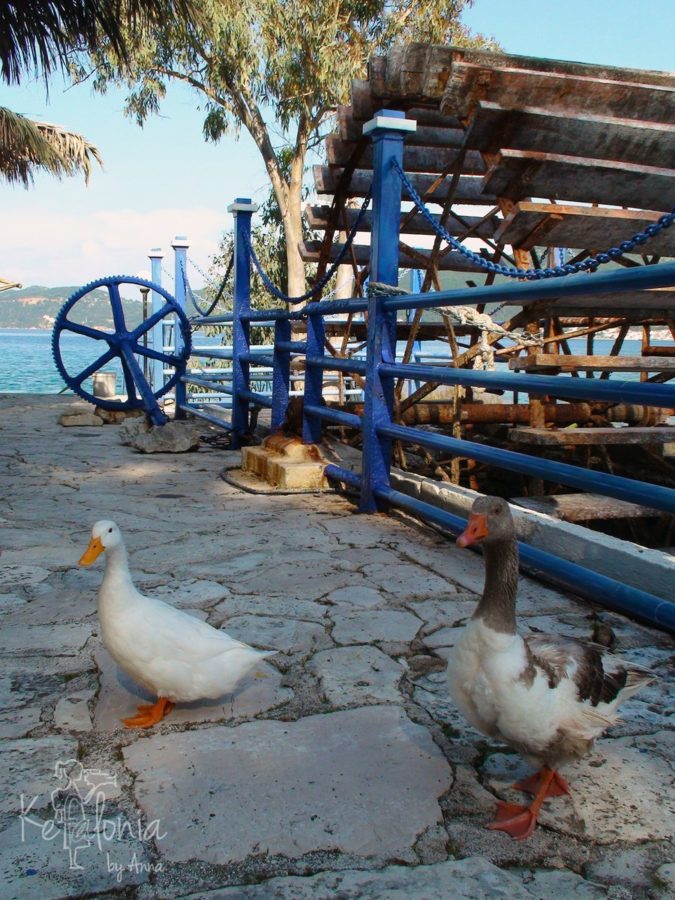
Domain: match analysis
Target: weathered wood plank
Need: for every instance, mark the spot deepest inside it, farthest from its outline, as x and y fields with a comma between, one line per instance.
x=563, y=225
x=445, y=133
x=494, y=127
x=536, y=361
x=451, y=262
x=585, y=507
x=568, y=93
x=519, y=174
x=469, y=188
x=422, y=69
x=415, y=159
x=318, y=216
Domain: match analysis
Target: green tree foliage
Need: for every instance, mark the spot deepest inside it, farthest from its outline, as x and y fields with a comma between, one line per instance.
x=270, y=66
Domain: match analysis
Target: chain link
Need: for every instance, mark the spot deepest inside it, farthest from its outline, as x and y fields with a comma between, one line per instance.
x=190, y=293
x=591, y=263
x=320, y=285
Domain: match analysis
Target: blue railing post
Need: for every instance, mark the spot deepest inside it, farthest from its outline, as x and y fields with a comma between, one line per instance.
x=156, y=336
x=180, y=247
x=281, y=372
x=387, y=131
x=242, y=209
x=311, y=425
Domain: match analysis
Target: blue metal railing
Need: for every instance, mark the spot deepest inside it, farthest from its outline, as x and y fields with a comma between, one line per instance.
x=380, y=370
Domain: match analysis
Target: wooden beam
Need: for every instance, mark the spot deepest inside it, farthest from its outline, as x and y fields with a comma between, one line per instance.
x=566, y=225
x=585, y=507
x=469, y=190
x=415, y=158
x=317, y=217
x=573, y=94
x=520, y=174
x=494, y=127
x=573, y=437
x=433, y=129
x=451, y=262
x=537, y=361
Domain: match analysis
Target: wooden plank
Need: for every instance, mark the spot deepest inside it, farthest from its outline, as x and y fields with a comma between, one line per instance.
x=530, y=225
x=422, y=69
x=520, y=174
x=451, y=262
x=469, y=188
x=576, y=95
x=573, y=437
x=442, y=133
x=584, y=507
x=415, y=158
x=317, y=217
x=564, y=363
x=494, y=127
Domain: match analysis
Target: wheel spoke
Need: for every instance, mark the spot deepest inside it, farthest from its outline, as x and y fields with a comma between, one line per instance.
x=155, y=354
x=117, y=310
x=94, y=367
x=135, y=373
x=93, y=333
x=128, y=378
x=151, y=321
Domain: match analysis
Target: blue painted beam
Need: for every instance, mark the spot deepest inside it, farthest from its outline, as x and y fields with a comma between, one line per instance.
x=330, y=414
x=180, y=247
x=618, y=391
x=242, y=209
x=640, y=278
x=335, y=363
x=586, y=480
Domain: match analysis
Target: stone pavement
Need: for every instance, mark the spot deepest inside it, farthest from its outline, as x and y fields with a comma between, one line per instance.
x=346, y=771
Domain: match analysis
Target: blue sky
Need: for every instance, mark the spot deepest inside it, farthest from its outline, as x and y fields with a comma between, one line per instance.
x=164, y=179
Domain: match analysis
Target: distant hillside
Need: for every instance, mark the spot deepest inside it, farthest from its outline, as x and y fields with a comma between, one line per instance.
x=37, y=307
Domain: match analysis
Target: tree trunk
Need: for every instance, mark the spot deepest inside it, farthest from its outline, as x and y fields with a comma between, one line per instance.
x=292, y=219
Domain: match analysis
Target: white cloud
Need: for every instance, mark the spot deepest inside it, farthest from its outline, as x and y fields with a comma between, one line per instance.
x=61, y=248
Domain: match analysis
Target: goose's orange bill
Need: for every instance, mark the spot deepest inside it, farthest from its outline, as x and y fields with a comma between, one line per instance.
x=92, y=553
x=476, y=529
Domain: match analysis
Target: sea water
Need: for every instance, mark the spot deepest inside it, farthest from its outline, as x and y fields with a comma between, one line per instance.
x=27, y=364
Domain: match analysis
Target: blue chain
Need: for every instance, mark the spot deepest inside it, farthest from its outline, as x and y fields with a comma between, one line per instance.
x=535, y=274
x=321, y=284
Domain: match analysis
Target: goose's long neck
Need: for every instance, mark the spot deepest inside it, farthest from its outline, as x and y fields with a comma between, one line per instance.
x=497, y=606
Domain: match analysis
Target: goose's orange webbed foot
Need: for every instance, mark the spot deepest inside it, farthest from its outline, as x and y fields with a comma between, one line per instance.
x=149, y=714
x=517, y=821
x=557, y=787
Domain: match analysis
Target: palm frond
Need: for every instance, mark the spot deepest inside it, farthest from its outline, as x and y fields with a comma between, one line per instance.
x=36, y=35
x=27, y=147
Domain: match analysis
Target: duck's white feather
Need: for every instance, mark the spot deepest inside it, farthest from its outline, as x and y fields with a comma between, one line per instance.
x=162, y=648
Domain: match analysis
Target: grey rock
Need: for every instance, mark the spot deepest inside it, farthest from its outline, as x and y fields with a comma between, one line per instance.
x=354, y=675
x=174, y=437
x=363, y=782
x=72, y=712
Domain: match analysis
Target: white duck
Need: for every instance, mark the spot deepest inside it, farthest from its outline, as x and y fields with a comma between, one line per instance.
x=547, y=696
x=166, y=651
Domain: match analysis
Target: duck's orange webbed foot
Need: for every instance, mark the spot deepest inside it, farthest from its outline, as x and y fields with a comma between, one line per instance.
x=557, y=787
x=517, y=821
x=149, y=714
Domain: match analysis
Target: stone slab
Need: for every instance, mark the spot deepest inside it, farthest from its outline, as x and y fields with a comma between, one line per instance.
x=355, y=675
x=364, y=782
x=375, y=625
x=359, y=596
x=28, y=770
x=279, y=607
x=282, y=634
x=72, y=712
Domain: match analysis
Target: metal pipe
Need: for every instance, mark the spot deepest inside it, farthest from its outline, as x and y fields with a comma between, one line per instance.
x=333, y=415
x=649, y=393
x=194, y=411
x=338, y=364
x=253, y=397
x=638, y=279
x=595, y=482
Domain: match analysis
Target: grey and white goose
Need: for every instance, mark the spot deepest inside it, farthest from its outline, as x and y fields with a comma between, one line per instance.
x=547, y=696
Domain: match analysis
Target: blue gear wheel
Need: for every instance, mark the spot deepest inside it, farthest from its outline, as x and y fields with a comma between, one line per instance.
x=124, y=345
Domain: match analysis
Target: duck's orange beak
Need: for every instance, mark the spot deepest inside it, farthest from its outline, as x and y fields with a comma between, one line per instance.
x=476, y=529
x=92, y=553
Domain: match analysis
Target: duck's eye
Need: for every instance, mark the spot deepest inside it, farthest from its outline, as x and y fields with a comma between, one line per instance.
x=110, y=531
